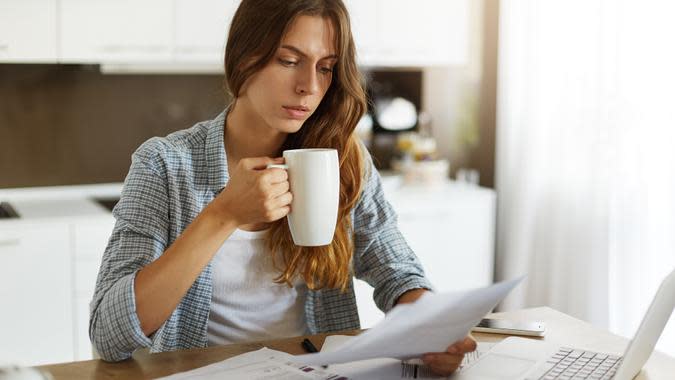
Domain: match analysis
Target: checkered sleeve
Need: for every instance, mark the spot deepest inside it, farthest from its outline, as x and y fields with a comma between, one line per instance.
x=382, y=257
x=139, y=237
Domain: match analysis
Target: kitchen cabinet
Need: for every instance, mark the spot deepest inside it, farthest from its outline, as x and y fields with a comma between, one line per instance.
x=48, y=273
x=426, y=32
x=35, y=293
x=49, y=258
x=201, y=31
x=49, y=261
x=28, y=31
x=363, y=17
x=451, y=229
x=388, y=33
x=394, y=33
x=119, y=31
x=90, y=240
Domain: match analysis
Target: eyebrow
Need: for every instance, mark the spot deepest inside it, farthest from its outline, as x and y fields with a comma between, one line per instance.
x=300, y=52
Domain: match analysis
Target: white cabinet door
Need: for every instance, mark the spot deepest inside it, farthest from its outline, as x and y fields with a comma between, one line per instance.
x=201, y=29
x=36, y=322
x=451, y=230
x=455, y=245
x=28, y=31
x=422, y=32
x=116, y=31
x=90, y=240
x=363, y=16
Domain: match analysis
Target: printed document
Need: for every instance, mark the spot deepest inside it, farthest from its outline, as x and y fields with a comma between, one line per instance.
x=264, y=364
x=431, y=324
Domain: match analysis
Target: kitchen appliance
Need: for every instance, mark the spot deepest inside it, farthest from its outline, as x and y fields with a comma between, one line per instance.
x=394, y=101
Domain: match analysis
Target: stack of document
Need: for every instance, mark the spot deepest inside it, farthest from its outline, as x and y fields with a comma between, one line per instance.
x=264, y=364
x=408, y=331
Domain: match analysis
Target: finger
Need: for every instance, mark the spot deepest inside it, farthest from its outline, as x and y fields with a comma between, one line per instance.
x=454, y=349
x=470, y=344
x=277, y=214
x=276, y=175
x=256, y=163
x=283, y=200
x=272, y=204
x=443, y=370
x=279, y=189
x=443, y=364
x=442, y=357
x=463, y=346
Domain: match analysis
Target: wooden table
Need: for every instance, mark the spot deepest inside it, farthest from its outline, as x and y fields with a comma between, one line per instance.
x=561, y=329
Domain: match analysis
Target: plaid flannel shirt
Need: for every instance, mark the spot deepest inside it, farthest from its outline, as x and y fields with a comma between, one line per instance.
x=170, y=181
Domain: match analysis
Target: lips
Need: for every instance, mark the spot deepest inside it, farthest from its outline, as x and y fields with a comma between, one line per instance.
x=296, y=112
x=298, y=108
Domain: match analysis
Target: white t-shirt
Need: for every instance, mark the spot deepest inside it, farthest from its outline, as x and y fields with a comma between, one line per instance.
x=246, y=303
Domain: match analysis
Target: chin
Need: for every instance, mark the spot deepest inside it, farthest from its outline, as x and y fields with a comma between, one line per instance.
x=290, y=126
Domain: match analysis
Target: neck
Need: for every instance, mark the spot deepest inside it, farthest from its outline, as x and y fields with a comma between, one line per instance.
x=247, y=135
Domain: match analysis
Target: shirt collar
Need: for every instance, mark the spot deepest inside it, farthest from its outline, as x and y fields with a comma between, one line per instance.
x=214, y=150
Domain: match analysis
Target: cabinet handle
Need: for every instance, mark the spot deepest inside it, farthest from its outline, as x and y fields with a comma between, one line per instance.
x=10, y=242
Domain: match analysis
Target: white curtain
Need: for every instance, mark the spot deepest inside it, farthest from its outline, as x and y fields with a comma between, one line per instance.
x=586, y=156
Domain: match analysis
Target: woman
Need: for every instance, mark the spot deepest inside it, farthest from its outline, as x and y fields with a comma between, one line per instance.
x=201, y=253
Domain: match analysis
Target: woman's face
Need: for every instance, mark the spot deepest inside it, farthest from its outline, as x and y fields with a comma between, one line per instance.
x=290, y=87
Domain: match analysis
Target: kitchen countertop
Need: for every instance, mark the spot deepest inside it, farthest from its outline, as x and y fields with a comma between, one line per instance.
x=81, y=200
x=61, y=208
x=104, y=190
x=33, y=203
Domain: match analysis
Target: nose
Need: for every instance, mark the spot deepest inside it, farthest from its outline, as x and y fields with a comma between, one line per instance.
x=308, y=82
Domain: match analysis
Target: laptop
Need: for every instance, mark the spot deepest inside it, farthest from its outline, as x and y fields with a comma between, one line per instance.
x=521, y=358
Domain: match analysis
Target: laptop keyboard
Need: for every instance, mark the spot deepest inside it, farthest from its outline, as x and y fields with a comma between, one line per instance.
x=571, y=364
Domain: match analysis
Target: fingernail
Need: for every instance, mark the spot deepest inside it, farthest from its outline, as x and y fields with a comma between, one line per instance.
x=453, y=350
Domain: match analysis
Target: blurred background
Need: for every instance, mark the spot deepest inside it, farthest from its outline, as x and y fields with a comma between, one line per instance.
x=514, y=137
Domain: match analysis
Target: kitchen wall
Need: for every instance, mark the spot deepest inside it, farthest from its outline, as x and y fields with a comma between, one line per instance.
x=462, y=99
x=69, y=124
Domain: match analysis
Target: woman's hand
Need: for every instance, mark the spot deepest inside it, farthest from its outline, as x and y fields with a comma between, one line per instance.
x=445, y=363
x=442, y=363
x=255, y=194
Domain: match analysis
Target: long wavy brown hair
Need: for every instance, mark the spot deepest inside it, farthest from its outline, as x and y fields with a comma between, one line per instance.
x=255, y=35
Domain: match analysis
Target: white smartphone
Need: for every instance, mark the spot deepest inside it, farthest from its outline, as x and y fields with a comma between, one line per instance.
x=509, y=327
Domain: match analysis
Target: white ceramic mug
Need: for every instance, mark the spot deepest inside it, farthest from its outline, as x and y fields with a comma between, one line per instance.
x=314, y=177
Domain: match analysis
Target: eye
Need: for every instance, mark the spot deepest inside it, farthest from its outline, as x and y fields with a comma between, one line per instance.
x=287, y=63
x=326, y=70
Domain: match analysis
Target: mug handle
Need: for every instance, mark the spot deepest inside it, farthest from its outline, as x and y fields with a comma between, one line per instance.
x=277, y=166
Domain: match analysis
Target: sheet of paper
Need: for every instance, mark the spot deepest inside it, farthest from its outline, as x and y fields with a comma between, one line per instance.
x=264, y=364
x=386, y=369
x=409, y=330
